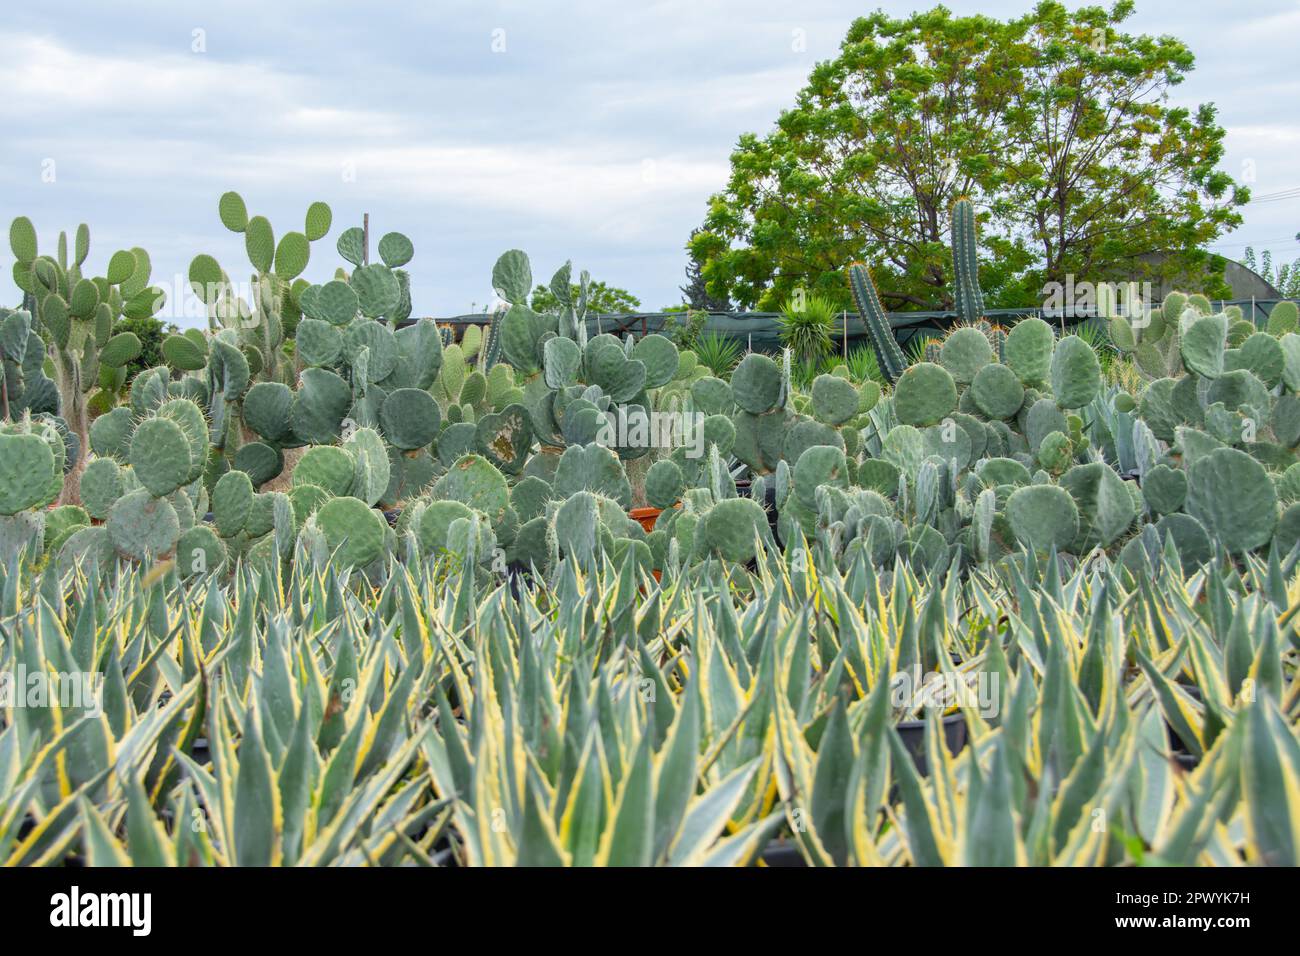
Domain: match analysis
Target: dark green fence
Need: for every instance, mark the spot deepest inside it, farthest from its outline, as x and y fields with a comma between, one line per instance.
x=760, y=331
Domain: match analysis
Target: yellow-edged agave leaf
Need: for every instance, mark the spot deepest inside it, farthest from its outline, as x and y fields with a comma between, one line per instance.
x=869, y=780
x=991, y=836
x=675, y=774
x=924, y=834
x=942, y=777
x=707, y=816
x=1090, y=839
x=296, y=780
x=258, y=820
x=1270, y=780
x=629, y=838
x=359, y=807
x=102, y=847
x=1179, y=708
x=145, y=836
x=48, y=839
x=190, y=840
x=539, y=844
x=1153, y=790
x=832, y=775
x=793, y=763
x=1265, y=675
x=1079, y=790
x=589, y=805
x=743, y=847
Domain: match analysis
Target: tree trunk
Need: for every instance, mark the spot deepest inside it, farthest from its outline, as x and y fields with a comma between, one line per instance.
x=73, y=409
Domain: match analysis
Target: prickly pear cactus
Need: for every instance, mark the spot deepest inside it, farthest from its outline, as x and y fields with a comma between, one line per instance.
x=76, y=316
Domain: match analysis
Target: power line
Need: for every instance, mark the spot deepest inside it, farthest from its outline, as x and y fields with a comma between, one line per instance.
x=1251, y=242
x=1280, y=195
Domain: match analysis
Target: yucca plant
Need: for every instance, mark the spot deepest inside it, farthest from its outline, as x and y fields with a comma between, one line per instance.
x=718, y=353
x=806, y=326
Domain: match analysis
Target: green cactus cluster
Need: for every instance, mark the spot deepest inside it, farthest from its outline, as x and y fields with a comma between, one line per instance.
x=62, y=353
x=526, y=443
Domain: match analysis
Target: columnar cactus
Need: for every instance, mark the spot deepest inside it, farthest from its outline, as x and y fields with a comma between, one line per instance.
x=968, y=300
x=890, y=357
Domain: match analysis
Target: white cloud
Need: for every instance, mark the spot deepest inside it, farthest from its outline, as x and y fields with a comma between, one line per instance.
x=599, y=135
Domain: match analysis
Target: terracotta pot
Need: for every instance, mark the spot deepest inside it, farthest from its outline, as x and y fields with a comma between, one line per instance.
x=646, y=516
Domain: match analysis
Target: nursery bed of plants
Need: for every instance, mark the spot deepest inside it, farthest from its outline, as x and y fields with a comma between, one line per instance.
x=328, y=587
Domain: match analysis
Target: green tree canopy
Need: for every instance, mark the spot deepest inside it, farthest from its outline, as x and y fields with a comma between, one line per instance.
x=1057, y=125
x=602, y=299
x=151, y=332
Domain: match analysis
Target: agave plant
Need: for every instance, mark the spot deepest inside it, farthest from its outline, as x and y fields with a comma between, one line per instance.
x=307, y=716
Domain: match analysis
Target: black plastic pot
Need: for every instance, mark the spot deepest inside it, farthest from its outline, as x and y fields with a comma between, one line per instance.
x=912, y=733
x=782, y=853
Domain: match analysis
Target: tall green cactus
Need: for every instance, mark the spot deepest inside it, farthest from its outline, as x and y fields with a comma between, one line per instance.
x=890, y=357
x=260, y=326
x=76, y=315
x=969, y=301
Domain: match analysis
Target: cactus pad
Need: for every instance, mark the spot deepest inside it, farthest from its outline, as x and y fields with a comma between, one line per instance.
x=1164, y=489
x=1202, y=345
x=659, y=356
x=142, y=526
x=232, y=500
x=924, y=394
x=1029, y=347
x=410, y=418
x=664, y=484
x=318, y=343
x=473, y=481
x=1043, y=517
x=160, y=456
x=101, y=485
x=328, y=467
x=354, y=533
x=1231, y=494
x=964, y=353
x=395, y=250
x=997, y=391
x=834, y=401
x=1076, y=373
x=504, y=438
x=733, y=528
x=27, y=468
x=756, y=384
x=319, y=406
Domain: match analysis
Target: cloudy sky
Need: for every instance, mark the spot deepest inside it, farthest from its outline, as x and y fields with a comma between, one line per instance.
x=587, y=130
